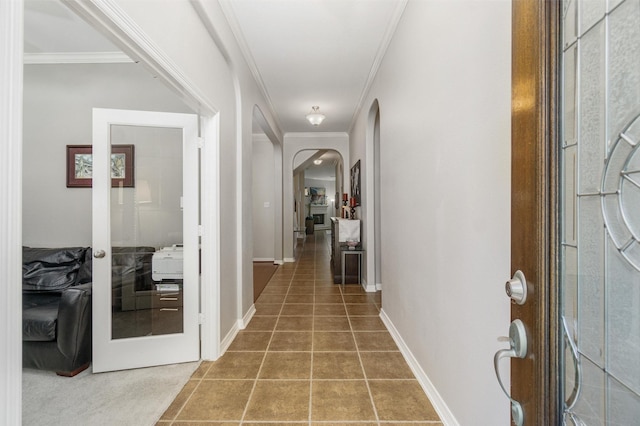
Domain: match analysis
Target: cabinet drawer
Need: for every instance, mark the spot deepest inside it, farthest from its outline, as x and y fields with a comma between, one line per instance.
x=167, y=300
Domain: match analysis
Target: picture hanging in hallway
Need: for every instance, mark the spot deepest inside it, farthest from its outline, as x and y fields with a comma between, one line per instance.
x=355, y=182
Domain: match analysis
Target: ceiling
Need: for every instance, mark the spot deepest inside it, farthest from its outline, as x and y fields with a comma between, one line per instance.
x=314, y=52
x=302, y=52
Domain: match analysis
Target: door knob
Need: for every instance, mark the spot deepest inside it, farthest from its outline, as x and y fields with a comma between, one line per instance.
x=99, y=254
x=516, y=288
x=517, y=349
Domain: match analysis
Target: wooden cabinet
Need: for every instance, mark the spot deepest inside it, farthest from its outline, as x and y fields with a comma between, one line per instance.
x=167, y=312
x=351, y=262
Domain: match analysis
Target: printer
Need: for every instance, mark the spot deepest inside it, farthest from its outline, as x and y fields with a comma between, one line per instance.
x=167, y=263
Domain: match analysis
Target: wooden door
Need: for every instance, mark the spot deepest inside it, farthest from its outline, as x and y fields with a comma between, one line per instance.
x=533, y=224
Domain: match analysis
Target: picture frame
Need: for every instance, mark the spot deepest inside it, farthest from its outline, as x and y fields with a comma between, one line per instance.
x=355, y=182
x=318, y=196
x=80, y=166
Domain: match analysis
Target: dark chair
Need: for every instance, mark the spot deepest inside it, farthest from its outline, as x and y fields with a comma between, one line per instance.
x=56, y=309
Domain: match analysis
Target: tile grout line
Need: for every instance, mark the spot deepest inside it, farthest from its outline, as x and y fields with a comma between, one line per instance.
x=175, y=418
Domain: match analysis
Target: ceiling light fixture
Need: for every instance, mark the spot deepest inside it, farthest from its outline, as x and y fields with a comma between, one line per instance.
x=315, y=117
x=317, y=162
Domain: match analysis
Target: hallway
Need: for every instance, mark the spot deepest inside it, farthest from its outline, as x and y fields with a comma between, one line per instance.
x=314, y=353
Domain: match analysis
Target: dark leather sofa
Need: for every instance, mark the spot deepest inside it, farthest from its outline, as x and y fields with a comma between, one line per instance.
x=56, y=309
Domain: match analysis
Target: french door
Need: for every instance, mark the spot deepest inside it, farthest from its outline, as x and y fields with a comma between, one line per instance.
x=144, y=167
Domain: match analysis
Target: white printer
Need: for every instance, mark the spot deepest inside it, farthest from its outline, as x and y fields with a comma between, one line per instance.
x=167, y=263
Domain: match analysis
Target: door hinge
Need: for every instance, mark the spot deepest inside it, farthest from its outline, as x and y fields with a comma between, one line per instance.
x=200, y=142
x=200, y=230
x=200, y=318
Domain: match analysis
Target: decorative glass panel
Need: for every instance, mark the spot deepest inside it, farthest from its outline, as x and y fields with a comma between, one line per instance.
x=590, y=406
x=623, y=406
x=591, y=279
x=591, y=11
x=624, y=66
x=592, y=105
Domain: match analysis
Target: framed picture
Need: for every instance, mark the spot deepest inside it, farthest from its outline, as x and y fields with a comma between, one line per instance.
x=80, y=166
x=318, y=196
x=355, y=182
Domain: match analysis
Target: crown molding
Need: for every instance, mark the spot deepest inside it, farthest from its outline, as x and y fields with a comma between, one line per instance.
x=76, y=58
x=382, y=51
x=236, y=30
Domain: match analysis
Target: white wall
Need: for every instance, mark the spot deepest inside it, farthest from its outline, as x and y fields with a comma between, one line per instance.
x=294, y=143
x=444, y=95
x=58, y=102
x=263, y=199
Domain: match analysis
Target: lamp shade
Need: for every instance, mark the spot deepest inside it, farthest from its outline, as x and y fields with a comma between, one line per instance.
x=315, y=117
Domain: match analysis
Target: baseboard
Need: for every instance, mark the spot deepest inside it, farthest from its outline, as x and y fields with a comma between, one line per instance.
x=226, y=342
x=264, y=259
x=446, y=416
x=378, y=286
x=368, y=288
x=241, y=324
x=278, y=262
x=289, y=259
x=247, y=317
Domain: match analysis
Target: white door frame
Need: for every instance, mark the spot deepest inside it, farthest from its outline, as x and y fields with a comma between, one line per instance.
x=110, y=18
x=11, y=53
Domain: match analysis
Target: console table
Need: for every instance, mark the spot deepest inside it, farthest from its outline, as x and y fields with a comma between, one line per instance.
x=345, y=269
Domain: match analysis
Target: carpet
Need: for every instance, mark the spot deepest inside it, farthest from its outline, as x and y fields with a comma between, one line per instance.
x=262, y=273
x=131, y=397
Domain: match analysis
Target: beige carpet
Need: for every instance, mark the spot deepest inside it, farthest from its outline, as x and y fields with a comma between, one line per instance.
x=262, y=273
x=132, y=397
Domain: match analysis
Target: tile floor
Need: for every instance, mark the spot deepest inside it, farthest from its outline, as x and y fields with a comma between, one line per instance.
x=315, y=353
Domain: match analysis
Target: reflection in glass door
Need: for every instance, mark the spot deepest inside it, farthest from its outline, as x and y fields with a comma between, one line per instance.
x=146, y=234
x=600, y=210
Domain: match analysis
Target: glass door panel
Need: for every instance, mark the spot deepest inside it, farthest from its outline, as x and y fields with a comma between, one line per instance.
x=600, y=212
x=146, y=234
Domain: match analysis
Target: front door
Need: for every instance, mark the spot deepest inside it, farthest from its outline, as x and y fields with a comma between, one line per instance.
x=144, y=167
x=576, y=210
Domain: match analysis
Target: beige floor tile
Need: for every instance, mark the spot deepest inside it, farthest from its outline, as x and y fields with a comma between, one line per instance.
x=297, y=309
x=280, y=400
x=357, y=298
x=306, y=289
x=361, y=309
x=334, y=289
x=286, y=365
x=353, y=289
x=201, y=370
x=328, y=298
x=331, y=324
x=295, y=324
x=367, y=324
x=341, y=400
x=250, y=341
x=262, y=323
x=217, y=400
x=275, y=289
x=303, y=282
x=333, y=310
x=291, y=341
x=205, y=424
x=299, y=298
x=268, y=308
x=385, y=365
x=236, y=365
x=333, y=341
x=271, y=298
x=337, y=366
x=375, y=341
x=401, y=400
x=182, y=397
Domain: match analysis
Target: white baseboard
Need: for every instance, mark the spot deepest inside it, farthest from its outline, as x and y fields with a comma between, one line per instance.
x=278, y=262
x=446, y=416
x=290, y=259
x=226, y=342
x=241, y=324
x=247, y=317
x=368, y=288
x=378, y=286
x=263, y=259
